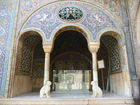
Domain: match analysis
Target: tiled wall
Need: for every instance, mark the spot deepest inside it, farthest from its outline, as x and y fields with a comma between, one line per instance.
x=7, y=22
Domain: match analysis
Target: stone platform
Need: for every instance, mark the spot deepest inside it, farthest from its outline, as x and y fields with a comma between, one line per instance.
x=67, y=99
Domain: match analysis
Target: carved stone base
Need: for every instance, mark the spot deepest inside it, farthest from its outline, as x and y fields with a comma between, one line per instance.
x=45, y=90
x=97, y=92
x=136, y=87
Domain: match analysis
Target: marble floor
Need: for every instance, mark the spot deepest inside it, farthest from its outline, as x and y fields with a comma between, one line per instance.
x=69, y=95
x=68, y=98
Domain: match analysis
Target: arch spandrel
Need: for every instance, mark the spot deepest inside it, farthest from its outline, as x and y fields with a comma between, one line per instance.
x=33, y=29
x=117, y=34
x=75, y=27
x=47, y=20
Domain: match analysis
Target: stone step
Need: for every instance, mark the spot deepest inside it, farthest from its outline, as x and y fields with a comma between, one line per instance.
x=53, y=101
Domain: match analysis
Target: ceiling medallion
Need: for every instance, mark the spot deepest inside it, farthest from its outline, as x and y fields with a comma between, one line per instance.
x=70, y=13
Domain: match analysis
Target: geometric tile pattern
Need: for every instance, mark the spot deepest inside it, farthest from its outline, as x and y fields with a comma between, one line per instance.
x=113, y=49
x=38, y=73
x=26, y=54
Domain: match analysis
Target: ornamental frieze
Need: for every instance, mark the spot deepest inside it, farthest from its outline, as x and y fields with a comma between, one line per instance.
x=29, y=6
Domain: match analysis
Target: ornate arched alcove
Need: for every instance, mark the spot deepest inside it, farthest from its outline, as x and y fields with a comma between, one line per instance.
x=89, y=20
x=116, y=73
x=29, y=64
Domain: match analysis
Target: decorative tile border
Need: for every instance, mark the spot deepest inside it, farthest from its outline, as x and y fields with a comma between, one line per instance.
x=114, y=53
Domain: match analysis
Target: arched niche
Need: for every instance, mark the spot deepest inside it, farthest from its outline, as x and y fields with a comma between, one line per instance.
x=116, y=73
x=29, y=64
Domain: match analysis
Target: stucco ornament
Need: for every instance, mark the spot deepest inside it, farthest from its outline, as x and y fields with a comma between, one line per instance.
x=97, y=92
x=45, y=90
x=70, y=13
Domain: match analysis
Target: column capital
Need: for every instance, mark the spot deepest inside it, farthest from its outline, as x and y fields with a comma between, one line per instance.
x=47, y=46
x=94, y=46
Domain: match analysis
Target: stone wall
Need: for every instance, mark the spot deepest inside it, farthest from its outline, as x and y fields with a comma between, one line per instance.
x=134, y=12
x=120, y=83
x=137, y=43
x=22, y=85
x=134, y=22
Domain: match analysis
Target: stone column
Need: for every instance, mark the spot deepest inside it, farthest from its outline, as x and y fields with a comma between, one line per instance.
x=47, y=67
x=45, y=90
x=97, y=92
